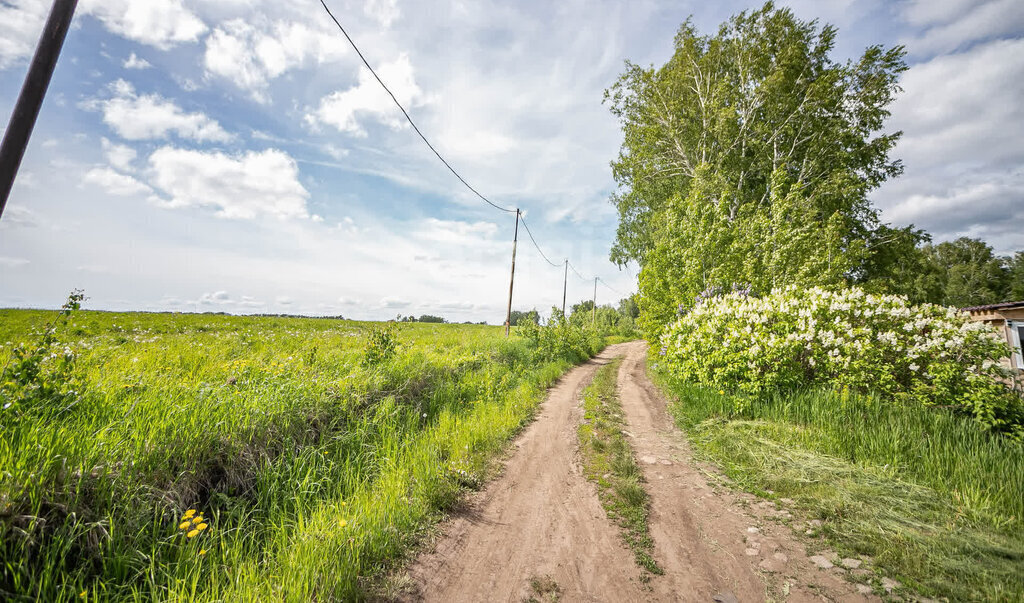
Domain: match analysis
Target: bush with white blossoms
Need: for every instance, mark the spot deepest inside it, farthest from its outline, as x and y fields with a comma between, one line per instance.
x=794, y=338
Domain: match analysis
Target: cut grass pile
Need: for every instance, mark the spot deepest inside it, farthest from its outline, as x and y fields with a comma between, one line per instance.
x=312, y=471
x=608, y=462
x=933, y=498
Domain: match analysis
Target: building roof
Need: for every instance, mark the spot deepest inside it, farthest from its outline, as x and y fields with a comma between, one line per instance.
x=990, y=307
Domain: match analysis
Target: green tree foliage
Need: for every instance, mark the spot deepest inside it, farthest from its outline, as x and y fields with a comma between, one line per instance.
x=965, y=272
x=520, y=317
x=1015, y=270
x=748, y=157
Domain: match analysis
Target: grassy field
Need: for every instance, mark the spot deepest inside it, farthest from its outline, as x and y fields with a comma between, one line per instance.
x=935, y=500
x=312, y=469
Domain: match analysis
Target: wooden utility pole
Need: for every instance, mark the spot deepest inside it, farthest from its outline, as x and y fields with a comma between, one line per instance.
x=512, y=280
x=593, y=316
x=565, y=284
x=26, y=109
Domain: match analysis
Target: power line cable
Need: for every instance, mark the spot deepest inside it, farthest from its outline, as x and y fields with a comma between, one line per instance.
x=613, y=289
x=406, y=114
x=577, y=272
x=523, y=220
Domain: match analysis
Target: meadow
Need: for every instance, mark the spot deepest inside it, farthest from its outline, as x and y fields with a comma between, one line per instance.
x=932, y=498
x=209, y=457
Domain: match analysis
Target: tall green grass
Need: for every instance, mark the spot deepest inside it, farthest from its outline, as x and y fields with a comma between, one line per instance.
x=314, y=472
x=936, y=500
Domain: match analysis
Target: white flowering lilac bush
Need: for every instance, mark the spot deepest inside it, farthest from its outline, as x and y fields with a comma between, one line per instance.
x=794, y=338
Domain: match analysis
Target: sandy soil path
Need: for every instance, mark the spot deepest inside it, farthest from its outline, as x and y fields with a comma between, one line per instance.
x=542, y=518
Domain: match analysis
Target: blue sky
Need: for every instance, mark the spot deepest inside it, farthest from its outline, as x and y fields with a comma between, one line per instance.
x=232, y=155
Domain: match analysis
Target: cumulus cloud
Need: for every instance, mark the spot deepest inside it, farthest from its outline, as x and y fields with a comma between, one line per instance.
x=147, y=116
x=115, y=182
x=961, y=149
x=251, y=55
x=244, y=186
x=963, y=106
x=158, y=23
x=384, y=12
x=217, y=297
x=344, y=108
x=118, y=155
x=21, y=22
x=947, y=26
x=135, y=62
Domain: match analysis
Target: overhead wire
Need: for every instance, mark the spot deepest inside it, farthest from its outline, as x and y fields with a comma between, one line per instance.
x=613, y=289
x=577, y=272
x=444, y=161
x=406, y=114
x=527, y=226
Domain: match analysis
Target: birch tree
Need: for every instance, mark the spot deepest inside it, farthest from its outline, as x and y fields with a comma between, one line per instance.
x=756, y=144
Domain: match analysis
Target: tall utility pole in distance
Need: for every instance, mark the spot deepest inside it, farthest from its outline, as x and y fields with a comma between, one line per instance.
x=512, y=281
x=593, y=316
x=565, y=285
x=26, y=110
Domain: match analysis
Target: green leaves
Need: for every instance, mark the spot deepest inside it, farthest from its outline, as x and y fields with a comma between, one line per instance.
x=40, y=378
x=748, y=157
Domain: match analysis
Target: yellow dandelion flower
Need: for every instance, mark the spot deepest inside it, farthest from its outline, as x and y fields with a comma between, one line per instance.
x=342, y=523
x=82, y=594
x=198, y=519
x=184, y=525
x=721, y=391
x=202, y=551
x=189, y=513
x=193, y=534
x=201, y=527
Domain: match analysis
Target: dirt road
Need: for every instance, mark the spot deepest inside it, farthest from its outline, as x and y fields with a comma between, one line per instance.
x=542, y=519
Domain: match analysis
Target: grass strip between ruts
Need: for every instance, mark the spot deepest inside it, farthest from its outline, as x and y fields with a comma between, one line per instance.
x=608, y=462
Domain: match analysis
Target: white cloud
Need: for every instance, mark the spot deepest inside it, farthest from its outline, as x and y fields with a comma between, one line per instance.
x=930, y=12
x=16, y=216
x=159, y=23
x=251, y=55
x=960, y=114
x=284, y=300
x=118, y=155
x=344, y=108
x=134, y=62
x=963, y=107
x=21, y=23
x=237, y=186
x=454, y=232
x=115, y=182
x=13, y=262
x=384, y=12
x=147, y=116
x=948, y=26
x=217, y=297
x=394, y=302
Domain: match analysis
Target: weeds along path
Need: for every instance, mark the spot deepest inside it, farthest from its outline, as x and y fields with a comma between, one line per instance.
x=711, y=543
x=540, y=519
